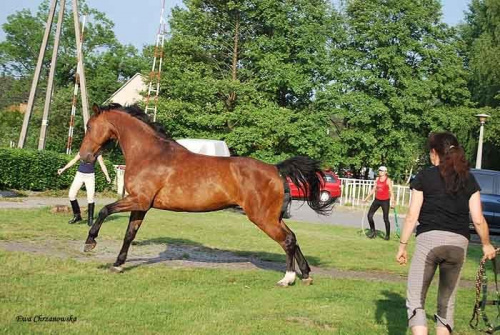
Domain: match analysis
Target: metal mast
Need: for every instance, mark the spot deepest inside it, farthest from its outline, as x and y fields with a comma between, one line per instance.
x=155, y=74
x=81, y=75
x=75, y=97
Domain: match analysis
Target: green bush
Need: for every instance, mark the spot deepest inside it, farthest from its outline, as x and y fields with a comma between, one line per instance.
x=34, y=170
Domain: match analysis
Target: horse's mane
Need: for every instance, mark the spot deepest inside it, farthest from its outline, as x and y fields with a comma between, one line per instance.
x=138, y=113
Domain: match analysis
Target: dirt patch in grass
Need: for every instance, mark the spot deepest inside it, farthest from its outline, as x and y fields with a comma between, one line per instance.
x=153, y=253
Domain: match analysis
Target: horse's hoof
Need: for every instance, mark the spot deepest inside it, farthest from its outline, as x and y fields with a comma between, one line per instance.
x=116, y=269
x=288, y=280
x=307, y=281
x=282, y=284
x=89, y=247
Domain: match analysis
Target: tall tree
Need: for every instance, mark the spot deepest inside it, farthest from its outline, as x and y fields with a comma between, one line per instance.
x=246, y=71
x=481, y=35
x=481, y=47
x=400, y=66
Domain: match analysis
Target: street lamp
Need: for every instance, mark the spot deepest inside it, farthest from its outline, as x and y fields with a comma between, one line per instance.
x=479, y=157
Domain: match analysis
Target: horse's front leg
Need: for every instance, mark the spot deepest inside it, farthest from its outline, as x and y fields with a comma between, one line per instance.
x=134, y=224
x=127, y=204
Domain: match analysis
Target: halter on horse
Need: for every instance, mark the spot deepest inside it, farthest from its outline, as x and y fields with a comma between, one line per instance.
x=163, y=174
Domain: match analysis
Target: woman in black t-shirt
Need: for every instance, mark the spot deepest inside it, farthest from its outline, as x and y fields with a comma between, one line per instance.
x=442, y=197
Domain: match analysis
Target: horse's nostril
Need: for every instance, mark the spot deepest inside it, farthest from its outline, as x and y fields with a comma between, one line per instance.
x=87, y=157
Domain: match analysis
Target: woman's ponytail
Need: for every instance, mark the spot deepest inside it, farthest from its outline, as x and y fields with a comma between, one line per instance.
x=453, y=166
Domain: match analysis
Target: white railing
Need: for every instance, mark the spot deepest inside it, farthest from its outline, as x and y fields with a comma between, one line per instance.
x=355, y=190
x=119, y=179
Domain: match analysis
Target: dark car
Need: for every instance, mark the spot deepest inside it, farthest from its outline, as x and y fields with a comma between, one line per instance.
x=490, y=196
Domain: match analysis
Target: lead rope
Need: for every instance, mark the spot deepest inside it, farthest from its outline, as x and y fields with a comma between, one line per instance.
x=396, y=219
x=480, y=304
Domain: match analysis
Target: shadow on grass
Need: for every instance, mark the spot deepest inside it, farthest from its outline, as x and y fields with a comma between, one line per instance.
x=393, y=310
x=378, y=233
x=191, y=251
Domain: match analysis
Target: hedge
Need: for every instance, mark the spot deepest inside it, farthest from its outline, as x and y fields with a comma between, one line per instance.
x=34, y=170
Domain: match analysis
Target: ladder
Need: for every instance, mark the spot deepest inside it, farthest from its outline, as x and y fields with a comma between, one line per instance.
x=155, y=74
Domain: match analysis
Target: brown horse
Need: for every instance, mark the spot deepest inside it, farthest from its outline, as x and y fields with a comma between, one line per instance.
x=163, y=174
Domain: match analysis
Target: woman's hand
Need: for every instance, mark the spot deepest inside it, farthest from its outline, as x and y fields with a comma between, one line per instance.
x=60, y=171
x=402, y=255
x=108, y=179
x=489, y=252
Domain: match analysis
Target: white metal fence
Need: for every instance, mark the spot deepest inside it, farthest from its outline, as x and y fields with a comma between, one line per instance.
x=355, y=190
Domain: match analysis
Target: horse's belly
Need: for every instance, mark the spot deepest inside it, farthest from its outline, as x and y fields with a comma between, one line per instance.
x=192, y=201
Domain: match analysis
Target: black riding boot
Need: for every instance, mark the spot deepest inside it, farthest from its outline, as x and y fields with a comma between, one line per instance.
x=91, y=214
x=76, y=212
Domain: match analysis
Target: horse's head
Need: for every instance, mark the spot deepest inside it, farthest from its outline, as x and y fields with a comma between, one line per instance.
x=99, y=131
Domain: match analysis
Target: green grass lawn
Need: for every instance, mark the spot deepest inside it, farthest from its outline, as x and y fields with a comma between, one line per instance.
x=164, y=300
x=182, y=300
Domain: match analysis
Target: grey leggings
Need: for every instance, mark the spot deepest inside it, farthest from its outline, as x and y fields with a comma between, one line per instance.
x=434, y=249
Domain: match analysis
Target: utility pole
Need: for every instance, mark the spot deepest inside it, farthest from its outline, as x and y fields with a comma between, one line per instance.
x=36, y=76
x=52, y=71
x=53, y=63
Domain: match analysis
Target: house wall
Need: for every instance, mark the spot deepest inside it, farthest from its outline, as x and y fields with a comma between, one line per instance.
x=130, y=93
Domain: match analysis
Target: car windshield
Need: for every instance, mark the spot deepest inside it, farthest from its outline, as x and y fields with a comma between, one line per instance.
x=486, y=182
x=329, y=178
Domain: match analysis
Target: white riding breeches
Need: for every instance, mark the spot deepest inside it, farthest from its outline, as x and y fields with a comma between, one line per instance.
x=83, y=178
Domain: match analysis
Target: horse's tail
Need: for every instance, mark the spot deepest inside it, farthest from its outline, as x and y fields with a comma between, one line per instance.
x=306, y=174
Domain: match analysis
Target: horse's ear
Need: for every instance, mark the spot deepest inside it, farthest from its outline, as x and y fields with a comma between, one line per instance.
x=96, y=109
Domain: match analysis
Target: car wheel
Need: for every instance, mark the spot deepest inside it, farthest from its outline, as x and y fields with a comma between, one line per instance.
x=324, y=196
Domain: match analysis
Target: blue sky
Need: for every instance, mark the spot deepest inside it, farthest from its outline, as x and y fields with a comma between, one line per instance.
x=136, y=22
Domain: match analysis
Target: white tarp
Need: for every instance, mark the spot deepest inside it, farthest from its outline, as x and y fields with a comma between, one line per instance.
x=205, y=147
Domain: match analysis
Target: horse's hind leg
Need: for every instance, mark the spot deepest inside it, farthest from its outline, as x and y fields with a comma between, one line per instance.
x=134, y=224
x=290, y=247
x=279, y=232
x=303, y=266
